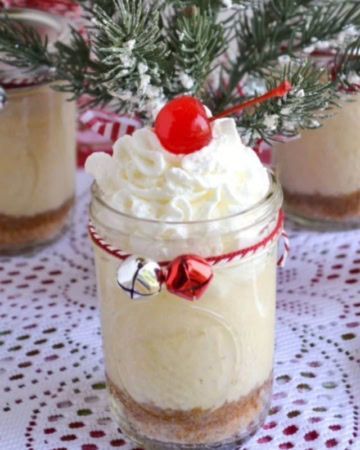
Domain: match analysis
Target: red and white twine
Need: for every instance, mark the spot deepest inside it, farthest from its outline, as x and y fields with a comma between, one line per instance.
x=23, y=81
x=213, y=260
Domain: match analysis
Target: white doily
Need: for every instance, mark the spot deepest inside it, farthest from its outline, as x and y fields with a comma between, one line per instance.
x=51, y=371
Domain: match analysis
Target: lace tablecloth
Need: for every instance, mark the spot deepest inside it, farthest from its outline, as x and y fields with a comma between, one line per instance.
x=52, y=387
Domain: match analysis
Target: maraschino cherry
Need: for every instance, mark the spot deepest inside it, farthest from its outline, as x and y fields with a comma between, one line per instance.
x=183, y=126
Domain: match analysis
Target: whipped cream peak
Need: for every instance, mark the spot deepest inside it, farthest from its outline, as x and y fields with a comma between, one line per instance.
x=144, y=180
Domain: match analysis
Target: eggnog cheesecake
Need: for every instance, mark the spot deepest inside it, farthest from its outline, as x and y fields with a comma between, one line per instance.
x=37, y=165
x=320, y=171
x=37, y=144
x=186, y=374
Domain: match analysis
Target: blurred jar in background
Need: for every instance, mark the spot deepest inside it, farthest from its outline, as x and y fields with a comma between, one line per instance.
x=320, y=171
x=37, y=149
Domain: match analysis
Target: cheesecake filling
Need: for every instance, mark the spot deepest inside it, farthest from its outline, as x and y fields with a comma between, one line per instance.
x=324, y=162
x=37, y=152
x=179, y=355
x=37, y=166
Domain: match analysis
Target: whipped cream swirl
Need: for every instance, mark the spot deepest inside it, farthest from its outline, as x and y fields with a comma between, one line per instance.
x=144, y=180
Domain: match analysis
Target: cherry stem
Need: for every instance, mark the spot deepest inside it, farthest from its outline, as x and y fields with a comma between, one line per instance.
x=279, y=91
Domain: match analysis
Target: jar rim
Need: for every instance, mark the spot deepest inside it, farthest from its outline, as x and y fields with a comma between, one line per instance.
x=273, y=198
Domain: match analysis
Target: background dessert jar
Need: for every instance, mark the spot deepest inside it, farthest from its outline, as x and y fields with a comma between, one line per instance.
x=37, y=150
x=319, y=172
x=187, y=366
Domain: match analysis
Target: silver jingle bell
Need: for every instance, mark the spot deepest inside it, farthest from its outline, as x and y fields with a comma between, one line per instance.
x=139, y=277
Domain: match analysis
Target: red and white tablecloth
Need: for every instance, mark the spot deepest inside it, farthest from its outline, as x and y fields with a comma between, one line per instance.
x=52, y=386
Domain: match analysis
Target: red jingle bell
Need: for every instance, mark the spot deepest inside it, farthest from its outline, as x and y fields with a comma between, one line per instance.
x=188, y=276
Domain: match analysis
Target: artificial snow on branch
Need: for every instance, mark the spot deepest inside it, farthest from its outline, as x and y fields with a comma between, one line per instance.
x=138, y=54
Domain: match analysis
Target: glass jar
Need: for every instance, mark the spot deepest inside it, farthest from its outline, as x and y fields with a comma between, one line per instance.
x=37, y=149
x=37, y=166
x=190, y=374
x=319, y=172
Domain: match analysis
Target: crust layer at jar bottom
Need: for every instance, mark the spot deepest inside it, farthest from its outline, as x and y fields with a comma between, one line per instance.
x=323, y=206
x=170, y=428
x=18, y=232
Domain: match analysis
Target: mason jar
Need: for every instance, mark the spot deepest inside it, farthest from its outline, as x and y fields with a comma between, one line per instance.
x=319, y=171
x=37, y=150
x=193, y=372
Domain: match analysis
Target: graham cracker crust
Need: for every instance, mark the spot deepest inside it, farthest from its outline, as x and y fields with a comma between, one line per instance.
x=322, y=206
x=233, y=420
x=21, y=231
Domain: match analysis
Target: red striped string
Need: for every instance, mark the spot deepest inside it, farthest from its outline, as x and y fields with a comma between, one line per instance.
x=213, y=260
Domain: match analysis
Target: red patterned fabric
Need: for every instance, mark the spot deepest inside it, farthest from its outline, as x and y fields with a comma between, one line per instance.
x=98, y=130
x=263, y=150
x=109, y=125
x=58, y=6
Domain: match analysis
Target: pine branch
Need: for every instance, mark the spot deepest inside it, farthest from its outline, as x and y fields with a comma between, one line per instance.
x=130, y=52
x=196, y=42
x=132, y=58
x=346, y=71
x=141, y=53
x=309, y=101
x=106, y=5
x=22, y=46
x=213, y=5
x=74, y=67
x=145, y=59
x=135, y=22
x=283, y=26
